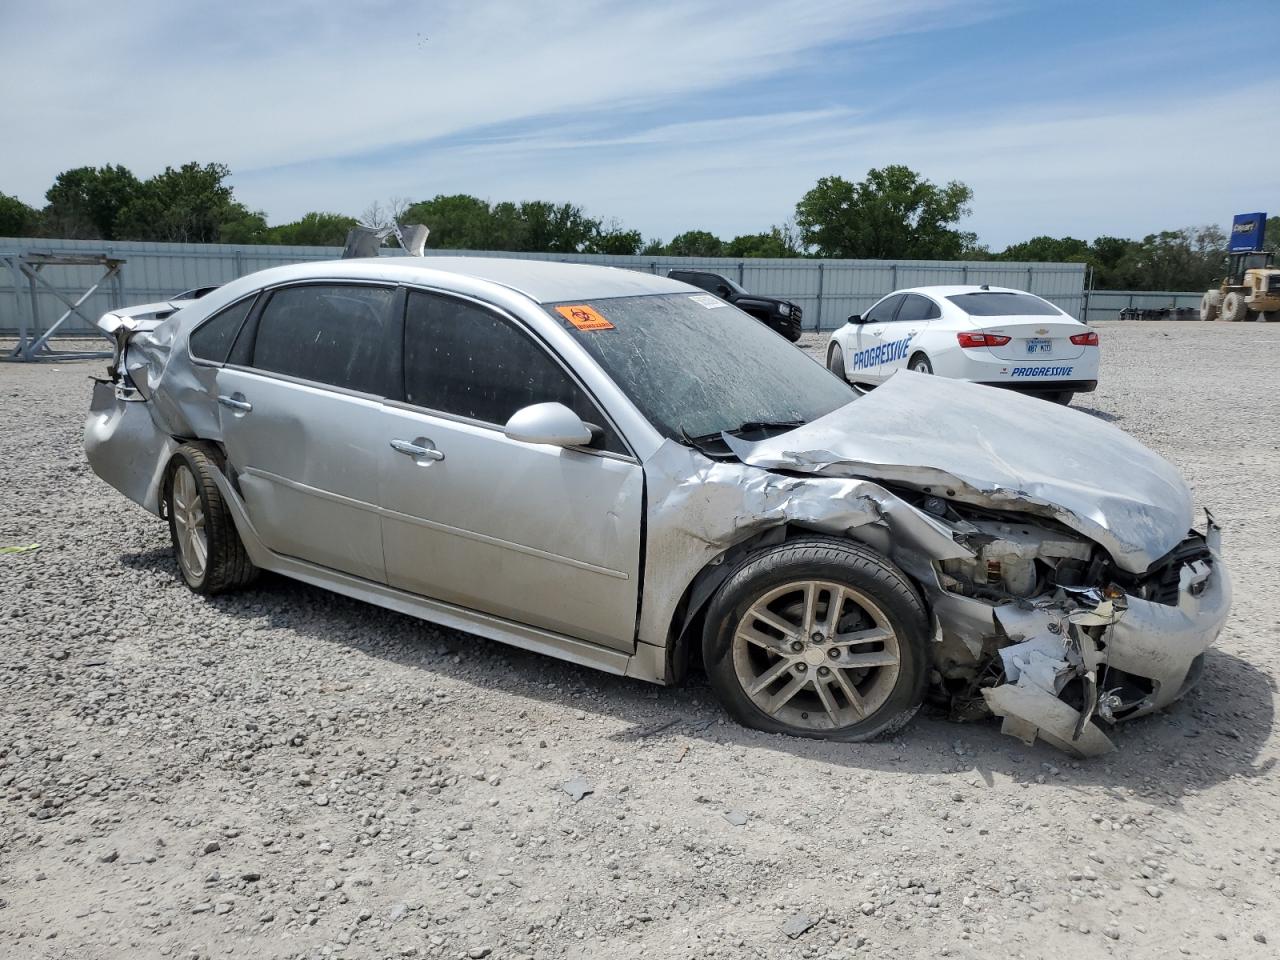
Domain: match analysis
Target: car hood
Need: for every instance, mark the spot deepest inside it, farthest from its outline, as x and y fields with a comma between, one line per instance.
x=996, y=449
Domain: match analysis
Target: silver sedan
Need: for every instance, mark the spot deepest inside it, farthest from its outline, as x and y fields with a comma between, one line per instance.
x=614, y=468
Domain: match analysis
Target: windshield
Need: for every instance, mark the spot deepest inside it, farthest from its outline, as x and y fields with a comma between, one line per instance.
x=698, y=365
x=991, y=303
x=735, y=286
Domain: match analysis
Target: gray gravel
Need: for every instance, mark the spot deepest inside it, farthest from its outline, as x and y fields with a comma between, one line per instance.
x=286, y=773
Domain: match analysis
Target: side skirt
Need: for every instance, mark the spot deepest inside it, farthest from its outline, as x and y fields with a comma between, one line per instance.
x=647, y=663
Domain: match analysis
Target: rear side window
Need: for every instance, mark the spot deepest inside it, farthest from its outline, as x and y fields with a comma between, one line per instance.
x=330, y=334
x=995, y=304
x=916, y=307
x=462, y=359
x=212, y=339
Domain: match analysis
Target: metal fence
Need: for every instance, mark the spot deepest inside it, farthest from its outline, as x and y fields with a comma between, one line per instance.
x=1107, y=304
x=827, y=290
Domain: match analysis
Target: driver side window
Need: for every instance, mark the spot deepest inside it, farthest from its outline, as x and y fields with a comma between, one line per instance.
x=462, y=359
x=883, y=311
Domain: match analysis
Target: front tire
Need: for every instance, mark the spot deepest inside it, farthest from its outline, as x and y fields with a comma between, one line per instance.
x=1234, y=308
x=835, y=361
x=818, y=637
x=210, y=555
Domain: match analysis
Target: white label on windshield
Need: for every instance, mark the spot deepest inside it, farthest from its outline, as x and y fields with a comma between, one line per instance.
x=708, y=301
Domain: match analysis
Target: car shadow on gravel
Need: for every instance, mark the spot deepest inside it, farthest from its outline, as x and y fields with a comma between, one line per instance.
x=1100, y=414
x=1216, y=733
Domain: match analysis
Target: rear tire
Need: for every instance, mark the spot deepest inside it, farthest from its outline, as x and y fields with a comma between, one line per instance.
x=920, y=364
x=835, y=361
x=771, y=624
x=210, y=555
x=1234, y=309
x=1063, y=397
x=1210, y=305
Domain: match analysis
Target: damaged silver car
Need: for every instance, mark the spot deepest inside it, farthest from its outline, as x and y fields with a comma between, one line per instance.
x=616, y=469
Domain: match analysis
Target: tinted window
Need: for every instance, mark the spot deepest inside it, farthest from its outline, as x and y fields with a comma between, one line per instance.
x=698, y=371
x=995, y=304
x=917, y=308
x=212, y=339
x=882, y=312
x=462, y=359
x=327, y=333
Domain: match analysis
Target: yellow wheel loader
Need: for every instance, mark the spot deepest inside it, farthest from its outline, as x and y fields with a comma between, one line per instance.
x=1249, y=291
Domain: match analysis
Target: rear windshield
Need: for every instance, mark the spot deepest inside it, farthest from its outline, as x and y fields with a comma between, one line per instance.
x=698, y=365
x=995, y=304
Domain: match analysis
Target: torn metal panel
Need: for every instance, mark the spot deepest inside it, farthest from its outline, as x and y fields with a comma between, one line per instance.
x=1031, y=712
x=999, y=450
x=116, y=424
x=699, y=508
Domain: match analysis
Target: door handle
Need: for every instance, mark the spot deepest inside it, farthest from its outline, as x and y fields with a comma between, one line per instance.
x=242, y=405
x=416, y=450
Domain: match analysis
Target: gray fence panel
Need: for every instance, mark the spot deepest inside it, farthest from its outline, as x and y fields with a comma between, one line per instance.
x=1107, y=304
x=827, y=290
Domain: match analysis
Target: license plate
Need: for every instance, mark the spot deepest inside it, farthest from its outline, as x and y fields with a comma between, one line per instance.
x=1039, y=346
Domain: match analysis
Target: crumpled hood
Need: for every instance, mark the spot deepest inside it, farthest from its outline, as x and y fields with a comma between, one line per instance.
x=994, y=448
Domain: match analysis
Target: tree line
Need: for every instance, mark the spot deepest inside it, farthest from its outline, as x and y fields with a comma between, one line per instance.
x=892, y=213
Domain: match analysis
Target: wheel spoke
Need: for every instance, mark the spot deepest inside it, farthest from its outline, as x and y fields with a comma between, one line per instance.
x=858, y=637
x=828, y=702
x=861, y=661
x=783, y=696
x=771, y=619
x=767, y=678
x=810, y=608
x=835, y=603
x=852, y=695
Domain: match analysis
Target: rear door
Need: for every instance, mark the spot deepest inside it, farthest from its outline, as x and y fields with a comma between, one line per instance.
x=864, y=365
x=538, y=534
x=300, y=404
x=914, y=315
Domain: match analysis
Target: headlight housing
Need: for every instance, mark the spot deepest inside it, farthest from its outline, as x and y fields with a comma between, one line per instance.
x=784, y=309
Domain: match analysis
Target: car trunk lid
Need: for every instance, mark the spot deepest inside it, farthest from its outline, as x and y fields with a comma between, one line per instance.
x=1034, y=338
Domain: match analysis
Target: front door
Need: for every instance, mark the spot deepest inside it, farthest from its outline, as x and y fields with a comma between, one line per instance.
x=864, y=365
x=541, y=535
x=300, y=406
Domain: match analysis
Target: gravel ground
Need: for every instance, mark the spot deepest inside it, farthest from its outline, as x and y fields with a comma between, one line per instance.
x=287, y=773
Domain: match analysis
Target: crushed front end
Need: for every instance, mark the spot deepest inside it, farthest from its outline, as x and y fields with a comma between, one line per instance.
x=1041, y=629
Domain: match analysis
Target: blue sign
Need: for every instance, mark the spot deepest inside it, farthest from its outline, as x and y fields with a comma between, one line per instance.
x=1248, y=230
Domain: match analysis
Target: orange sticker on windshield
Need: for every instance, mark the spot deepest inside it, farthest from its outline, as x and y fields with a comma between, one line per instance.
x=584, y=318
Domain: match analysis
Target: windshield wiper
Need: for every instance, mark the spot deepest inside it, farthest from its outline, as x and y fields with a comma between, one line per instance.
x=745, y=427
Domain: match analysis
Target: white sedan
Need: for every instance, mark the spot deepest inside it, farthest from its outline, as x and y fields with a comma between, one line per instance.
x=992, y=335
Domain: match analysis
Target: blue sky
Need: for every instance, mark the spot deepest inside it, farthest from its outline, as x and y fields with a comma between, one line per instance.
x=1079, y=118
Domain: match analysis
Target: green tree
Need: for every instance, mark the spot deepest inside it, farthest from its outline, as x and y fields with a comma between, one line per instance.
x=695, y=243
x=1048, y=250
x=776, y=243
x=1272, y=241
x=653, y=248
x=315, y=229
x=17, y=219
x=613, y=239
x=893, y=213
x=456, y=222
x=87, y=203
x=186, y=205
x=1186, y=259
x=247, y=226
x=555, y=228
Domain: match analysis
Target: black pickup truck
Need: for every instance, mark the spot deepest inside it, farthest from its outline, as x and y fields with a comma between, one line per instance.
x=779, y=315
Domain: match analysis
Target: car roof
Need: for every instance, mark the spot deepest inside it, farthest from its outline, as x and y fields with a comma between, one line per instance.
x=956, y=289
x=544, y=281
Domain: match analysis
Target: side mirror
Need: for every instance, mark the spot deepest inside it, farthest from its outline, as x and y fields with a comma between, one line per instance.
x=723, y=292
x=855, y=318
x=549, y=423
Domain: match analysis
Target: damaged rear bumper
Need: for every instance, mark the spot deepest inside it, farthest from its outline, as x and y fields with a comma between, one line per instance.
x=1121, y=656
